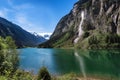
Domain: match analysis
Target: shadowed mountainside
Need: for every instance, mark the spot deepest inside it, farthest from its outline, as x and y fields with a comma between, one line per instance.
x=22, y=37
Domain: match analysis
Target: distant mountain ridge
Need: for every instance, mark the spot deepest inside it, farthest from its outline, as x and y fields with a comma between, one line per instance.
x=44, y=35
x=22, y=37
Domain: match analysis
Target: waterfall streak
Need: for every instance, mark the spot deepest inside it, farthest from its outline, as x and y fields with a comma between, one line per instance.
x=80, y=27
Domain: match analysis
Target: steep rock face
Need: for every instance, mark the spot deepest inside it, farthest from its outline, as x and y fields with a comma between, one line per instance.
x=101, y=22
x=22, y=38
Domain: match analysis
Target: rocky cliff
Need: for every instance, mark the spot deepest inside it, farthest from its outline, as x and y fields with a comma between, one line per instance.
x=22, y=37
x=90, y=24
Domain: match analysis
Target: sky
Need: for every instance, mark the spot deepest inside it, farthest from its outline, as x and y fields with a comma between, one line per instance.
x=39, y=16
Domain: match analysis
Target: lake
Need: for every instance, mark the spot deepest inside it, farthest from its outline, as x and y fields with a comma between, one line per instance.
x=63, y=61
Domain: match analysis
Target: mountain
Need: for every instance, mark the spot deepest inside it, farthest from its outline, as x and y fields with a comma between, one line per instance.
x=90, y=24
x=22, y=38
x=36, y=34
x=45, y=35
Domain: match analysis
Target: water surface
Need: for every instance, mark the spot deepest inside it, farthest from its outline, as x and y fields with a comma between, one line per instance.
x=63, y=61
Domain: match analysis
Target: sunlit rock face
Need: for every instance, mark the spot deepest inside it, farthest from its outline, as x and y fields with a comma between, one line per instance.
x=70, y=20
x=100, y=17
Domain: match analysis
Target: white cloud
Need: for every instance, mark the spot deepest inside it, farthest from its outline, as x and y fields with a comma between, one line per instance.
x=22, y=20
x=4, y=12
x=42, y=34
x=18, y=16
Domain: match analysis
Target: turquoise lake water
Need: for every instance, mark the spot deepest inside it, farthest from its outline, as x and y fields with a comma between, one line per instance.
x=63, y=61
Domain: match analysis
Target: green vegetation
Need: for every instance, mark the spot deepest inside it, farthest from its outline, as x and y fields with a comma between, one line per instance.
x=70, y=76
x=64, y=40
x=44, y=74
x=99, y=41
x=9, y=62
x=8, y=56
x=92, y=39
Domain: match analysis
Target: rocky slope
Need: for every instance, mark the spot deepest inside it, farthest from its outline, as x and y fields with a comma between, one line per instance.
x=22, y=38
x=90, y=24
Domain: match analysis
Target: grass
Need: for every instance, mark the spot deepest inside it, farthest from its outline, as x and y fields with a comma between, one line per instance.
x=21, y=75
x=3, y=78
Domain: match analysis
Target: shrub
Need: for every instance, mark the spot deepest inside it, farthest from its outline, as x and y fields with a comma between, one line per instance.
x=86, y=34
x=93, y=40
x=8, y=56
x=44, y=74
x=114, y=38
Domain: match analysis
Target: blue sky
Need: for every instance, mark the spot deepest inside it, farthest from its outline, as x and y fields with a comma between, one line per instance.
x=35, y=15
